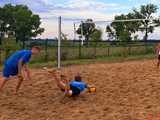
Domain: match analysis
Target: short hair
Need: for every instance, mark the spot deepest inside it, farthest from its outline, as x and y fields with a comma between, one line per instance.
x=78, y=78
x=37, y=47
x=62, y=76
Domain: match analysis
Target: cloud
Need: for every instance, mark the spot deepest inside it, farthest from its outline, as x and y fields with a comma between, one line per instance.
x=80, y=9
x=146, y=1
x=91, y=4
x=74, y=10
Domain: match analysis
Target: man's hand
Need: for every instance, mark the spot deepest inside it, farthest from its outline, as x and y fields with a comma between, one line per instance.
x=20, y=77
x=19, y=74
x=50, y=70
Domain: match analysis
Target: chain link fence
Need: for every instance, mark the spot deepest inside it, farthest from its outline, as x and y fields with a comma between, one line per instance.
x=71, y=50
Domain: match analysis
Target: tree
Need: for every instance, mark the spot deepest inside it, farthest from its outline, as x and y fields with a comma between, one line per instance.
x=5, y=19
x=9, y=46
x=146, y=12
x=86, y=29
x=125, y=36
x=96, y=36
x=66, y=44
x=111, y=33
x=20, y=21
x=147, y=26
x=27, y=24
x=117, y=29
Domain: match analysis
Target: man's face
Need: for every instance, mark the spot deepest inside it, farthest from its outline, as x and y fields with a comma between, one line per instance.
x=63, y=78
x=35, y=51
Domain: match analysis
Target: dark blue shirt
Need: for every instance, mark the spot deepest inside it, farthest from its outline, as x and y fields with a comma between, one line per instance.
x=24, y=55
x=81, y=85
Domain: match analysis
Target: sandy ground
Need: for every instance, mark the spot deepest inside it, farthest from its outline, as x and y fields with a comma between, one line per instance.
x=125, y=91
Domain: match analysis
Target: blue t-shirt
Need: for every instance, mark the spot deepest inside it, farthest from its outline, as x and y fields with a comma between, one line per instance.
x=14, y=59
x=81, y=85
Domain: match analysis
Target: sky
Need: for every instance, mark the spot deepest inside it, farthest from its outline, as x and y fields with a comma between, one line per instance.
x=77, y=10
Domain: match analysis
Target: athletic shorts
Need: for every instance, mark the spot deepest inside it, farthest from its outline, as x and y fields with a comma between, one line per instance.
x=9, y=71
x=158, y=57
x=75, y=91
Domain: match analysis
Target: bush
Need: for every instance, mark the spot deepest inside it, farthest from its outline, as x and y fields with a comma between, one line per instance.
x=9, y=46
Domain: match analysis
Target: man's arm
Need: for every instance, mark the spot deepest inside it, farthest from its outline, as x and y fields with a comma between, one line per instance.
x=20, y=80
x=26, y=69
x=20, y=65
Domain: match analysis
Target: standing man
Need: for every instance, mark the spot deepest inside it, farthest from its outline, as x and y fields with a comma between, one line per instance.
x=16, y=64
x=158, y=54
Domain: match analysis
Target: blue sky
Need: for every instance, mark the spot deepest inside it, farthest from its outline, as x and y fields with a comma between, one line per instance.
x=49, y=10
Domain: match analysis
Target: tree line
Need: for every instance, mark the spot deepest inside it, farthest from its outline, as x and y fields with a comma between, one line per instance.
x=20, y=22
x=125, y=31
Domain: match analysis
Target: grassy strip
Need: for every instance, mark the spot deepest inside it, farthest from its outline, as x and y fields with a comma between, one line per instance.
x=91, y=61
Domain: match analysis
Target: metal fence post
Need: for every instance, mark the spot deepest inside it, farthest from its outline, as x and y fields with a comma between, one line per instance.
x=80, y=45
x=95, y=49
x=129, y=49
x=108, y=51
x=46, y=50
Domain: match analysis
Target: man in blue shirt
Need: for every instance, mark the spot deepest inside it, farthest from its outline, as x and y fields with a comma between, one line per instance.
x=71, y=88
x=15, y=64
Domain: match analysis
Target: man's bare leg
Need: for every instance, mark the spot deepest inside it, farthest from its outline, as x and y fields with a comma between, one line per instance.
x=60, y=84
x=63, y=86
x=158, y=63
x=3, y=82
x=20, y=80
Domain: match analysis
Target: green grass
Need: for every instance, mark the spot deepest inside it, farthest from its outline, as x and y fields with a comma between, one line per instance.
x=110, y=54
x=91, y=61
x=40, y=64
x=0, y=66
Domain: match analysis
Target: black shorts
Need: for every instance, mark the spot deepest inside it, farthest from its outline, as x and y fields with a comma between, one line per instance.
x=158, y=57
x=75, y=91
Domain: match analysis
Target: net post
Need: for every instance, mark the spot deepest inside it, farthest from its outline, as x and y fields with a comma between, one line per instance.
x=59, y=41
